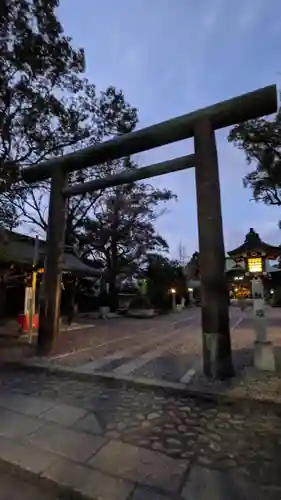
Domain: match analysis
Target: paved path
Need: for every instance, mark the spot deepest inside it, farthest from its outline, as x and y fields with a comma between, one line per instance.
x=166, y=351
x=116, y=444
x=13, y=487
x=165, y=348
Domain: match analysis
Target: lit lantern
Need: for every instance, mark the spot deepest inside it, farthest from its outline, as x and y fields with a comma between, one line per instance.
x=255, y=264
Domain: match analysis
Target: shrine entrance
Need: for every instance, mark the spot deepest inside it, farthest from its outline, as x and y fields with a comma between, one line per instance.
x=201, y=125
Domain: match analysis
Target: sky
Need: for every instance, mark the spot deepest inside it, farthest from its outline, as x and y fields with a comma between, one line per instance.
x=171, y=57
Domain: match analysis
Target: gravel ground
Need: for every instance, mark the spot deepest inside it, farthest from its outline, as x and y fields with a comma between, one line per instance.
x=249, y=383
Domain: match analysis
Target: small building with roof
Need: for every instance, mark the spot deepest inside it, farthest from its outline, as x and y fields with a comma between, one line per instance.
x=16, y=266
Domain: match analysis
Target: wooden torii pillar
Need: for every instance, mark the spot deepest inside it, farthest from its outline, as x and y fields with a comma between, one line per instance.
x=201, y=125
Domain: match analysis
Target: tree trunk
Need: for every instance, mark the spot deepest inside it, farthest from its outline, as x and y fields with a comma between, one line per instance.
x=113, y=293
x=2, y=299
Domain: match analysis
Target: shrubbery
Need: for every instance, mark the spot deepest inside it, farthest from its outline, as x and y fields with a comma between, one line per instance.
x=140, y=302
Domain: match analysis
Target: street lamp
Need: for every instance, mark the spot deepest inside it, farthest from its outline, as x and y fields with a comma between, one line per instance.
x=190, y=296
x=173, y=292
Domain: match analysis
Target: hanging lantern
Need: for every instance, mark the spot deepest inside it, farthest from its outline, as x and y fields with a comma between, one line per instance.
x=255, y=264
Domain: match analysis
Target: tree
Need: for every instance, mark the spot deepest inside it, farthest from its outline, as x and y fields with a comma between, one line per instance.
x=164, y=274
x=8, y=214
x=122, y=231
x=48, y=108
x=260, y=139
x=37, y=63
x=182, y=254
x=193, y=268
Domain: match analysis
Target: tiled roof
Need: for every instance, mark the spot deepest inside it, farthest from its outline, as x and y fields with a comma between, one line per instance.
x=253, y=243
x=19, y=249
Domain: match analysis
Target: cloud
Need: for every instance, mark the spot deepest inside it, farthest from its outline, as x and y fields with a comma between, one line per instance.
x=251, y=15
x=171, y=58
x=211, y=16
x=270, y=232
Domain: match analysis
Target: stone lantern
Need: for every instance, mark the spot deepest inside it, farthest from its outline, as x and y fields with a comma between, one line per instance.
x=253, y=254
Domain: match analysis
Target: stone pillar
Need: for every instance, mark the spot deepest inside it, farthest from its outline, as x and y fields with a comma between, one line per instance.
x=50, y=308
x=217, y=359
x=191, y=296
x=263, y=348
x=174, y=304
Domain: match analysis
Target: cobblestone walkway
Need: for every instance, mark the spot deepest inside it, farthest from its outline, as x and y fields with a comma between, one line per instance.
x=115, y=443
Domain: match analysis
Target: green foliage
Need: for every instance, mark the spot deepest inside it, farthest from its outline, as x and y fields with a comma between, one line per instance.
x=140, y=302
x=260, y=140
x=40, y=90
x=276, y=299
x=164, y=274
x=192, y=268
x=4, y=246
x=48, y=107
x=38, y=64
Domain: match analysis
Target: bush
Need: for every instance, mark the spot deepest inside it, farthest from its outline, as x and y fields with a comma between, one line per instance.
x=140, y=302
x=161, y=301
x=104, y=299
x=276, y=299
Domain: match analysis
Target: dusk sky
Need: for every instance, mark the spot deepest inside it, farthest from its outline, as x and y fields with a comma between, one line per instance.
x=171, y=57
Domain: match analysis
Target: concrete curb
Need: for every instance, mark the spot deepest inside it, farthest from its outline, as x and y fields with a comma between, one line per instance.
x=123, y=381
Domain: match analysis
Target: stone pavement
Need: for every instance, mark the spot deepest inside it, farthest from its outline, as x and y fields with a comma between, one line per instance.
x=166, y=349
x=166, y=352
x=13, y=487
x=114, y=444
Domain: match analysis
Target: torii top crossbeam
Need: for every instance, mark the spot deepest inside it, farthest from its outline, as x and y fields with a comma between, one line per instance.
x=223, y=114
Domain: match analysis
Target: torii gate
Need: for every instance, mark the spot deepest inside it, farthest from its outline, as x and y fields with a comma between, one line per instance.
x=201, y=125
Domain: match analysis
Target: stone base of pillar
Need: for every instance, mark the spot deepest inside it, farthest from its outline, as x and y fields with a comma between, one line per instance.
x=217, y=360
x=264, y=356
x=260, y=325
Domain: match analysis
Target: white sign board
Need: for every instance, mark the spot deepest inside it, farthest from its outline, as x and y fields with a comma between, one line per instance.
x=28, y=300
